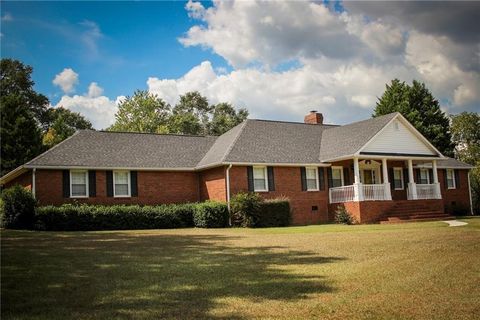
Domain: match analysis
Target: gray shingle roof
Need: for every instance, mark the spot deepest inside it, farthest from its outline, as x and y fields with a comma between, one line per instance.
x=101, y=149
x=449, y=163
x=348, y=139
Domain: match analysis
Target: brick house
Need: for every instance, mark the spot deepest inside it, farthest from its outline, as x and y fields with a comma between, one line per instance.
x=381, y=169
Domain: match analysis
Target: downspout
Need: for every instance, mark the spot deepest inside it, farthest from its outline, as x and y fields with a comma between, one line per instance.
x=227, y=174
x=470, y=193
x=33, y=181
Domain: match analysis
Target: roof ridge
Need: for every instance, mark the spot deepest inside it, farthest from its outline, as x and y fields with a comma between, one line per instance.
x=55, y=146
x=230, y=147
x=295, y=122
x=158, y=134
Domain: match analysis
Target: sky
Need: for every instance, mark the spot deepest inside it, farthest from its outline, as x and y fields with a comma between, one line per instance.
x=277, y=59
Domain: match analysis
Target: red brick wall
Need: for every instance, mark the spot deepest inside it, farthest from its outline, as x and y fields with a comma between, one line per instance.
x=212, y=184
x=154, y=187
x=288, y=183
x=459, y=195
x=25, y=180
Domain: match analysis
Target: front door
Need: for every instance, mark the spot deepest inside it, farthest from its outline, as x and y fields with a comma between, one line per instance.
x=368, y=176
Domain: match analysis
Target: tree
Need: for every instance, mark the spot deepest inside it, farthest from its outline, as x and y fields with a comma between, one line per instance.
x=224, y=118
x=192, y=107
x=466, y=136
x=62, y=123
x=22, y=110
x=142, y=112
x=417, y=104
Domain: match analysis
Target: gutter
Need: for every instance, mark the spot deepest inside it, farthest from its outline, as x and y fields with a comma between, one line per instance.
x=227, y=173
x=470, y=193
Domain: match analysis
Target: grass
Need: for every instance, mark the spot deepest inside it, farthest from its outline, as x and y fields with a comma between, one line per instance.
x=407, y=271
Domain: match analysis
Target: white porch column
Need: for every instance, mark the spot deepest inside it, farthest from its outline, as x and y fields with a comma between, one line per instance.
x=386, y=183
x=357, y=186
x=438, y=194
x=412, y=187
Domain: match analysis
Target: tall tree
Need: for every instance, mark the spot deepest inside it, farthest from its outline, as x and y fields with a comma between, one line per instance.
x=62, y=123
x=193, y=112
x=21, y=112
x=142, y=112
x=417, y=104
x=224, y=118
x=466, y=136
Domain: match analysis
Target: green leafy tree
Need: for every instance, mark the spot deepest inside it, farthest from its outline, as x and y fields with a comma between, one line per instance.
x=225, y=117
x=417, y=104
x=191, y=103
x=466, y=136
x=142, y=112
x=62, y=124
x=22, y=110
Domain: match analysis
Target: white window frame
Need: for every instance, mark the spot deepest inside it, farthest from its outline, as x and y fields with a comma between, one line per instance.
x=428, y=175
x=129, y=186
x=341, y=174
x=87, y=192
x=453, y=179
x=265, y=174
x=401, y=178
x=315, y=169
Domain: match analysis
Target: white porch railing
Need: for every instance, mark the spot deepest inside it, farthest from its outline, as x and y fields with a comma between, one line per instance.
x=342, y=194
x=425, y=191
x=372, y=192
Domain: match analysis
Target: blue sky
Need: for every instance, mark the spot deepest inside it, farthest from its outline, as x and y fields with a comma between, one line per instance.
x=277, y=59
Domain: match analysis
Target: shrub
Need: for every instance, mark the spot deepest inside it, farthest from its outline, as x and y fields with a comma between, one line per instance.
x=274, y=213
x=210, y=214
x=245, y=209
x=18, y=208
x=343, y=216
x=457, y=209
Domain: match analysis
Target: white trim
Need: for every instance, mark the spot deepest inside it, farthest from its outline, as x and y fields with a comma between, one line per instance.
x=405, y=122
x=470, y=193
x=265, y=172
x=453, y=179
x=108, y=168
x=316, y=178
x=341, y=174
x=87, y=191
x=9, y=176
x=227, y=178
x=401, y=178
x=380, y=157
x=129, y=187
x=33, y=183
x=269, y=164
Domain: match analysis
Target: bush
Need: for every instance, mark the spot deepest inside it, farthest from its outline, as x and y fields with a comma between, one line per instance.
x=250, y=210
x=18, y=208
x=210, y=214
x=245, y=209
x=70, y=217
x=343, y=216
x=458, y=209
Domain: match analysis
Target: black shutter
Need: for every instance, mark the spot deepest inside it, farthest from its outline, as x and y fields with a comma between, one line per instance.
x=66, y=183
x=445, y=178
x=346, y=176
x=133, y=183
x=92, y=183
x=109, y=183
x=405, y=177
x=250, y=179
x=321, y=178
x=391, y=178
x=416, y=176
x=303, y=175
x=457, y=178
x=329, y=177
x=271, y=179
x=430, y=175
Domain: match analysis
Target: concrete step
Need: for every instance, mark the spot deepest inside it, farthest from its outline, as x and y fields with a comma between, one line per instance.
x=418, y=216
x=407, y=214
x=417, y=220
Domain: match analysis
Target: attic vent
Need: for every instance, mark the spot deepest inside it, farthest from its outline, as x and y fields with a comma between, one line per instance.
x=395, y=126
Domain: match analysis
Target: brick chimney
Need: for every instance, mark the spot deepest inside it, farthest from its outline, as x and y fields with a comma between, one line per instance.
x=314, y=117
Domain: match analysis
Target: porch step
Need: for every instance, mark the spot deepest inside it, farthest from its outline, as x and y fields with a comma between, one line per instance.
x=448, y=217
x=411, y=211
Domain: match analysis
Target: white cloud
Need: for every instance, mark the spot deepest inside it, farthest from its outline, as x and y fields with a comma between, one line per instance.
x=7, y=17
x=66, y=80
x=94, y=90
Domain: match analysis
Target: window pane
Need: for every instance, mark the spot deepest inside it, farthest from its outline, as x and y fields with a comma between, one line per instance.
x=397, y=184
x=121, y=177
x=259, y=184
x=121, y=189
x=312, y=184
x=311, y=173
x=397, y=174
x=79, y=190
x=78, y=178
x=337, y=182
x=336, y=174
x=259, y=173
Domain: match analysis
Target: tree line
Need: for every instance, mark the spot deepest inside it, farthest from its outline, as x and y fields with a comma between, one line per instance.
x=30, y=126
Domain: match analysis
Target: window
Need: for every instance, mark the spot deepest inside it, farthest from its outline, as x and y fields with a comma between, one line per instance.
x=78, y=184
x=337, y=176
x=312, y=179
x=424, y=177
x=450, y=179
x=260, y=182
x=121, y=184
x=398, y=178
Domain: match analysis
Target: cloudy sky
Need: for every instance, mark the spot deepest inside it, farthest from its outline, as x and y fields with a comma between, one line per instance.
x=277, y=59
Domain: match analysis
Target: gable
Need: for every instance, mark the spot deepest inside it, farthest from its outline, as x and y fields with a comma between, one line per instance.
x=398, y=138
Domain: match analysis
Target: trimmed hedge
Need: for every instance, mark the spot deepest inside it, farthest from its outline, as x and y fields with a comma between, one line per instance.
x=274, y=213
x=122, y=217
x=17, y=208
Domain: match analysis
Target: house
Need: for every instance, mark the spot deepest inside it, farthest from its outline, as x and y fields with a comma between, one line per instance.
x=381, y=169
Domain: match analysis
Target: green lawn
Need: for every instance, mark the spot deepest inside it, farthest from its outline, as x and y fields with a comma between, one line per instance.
x=407, y=271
